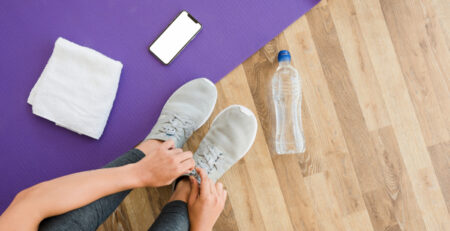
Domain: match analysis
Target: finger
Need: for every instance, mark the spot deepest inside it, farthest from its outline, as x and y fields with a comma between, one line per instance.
x=168, y=144
x=194, y=190
x=219, y=188
x=212, y=187
x=176, y=151
x=187, y=166
x=224, y=196
x=184, y=156
x=205, y=188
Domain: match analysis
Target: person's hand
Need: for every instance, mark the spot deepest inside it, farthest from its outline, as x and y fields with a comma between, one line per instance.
x=206, y=204
x=163, y=165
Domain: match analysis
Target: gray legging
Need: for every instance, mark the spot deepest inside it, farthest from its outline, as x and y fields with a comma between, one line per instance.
x=174, y=215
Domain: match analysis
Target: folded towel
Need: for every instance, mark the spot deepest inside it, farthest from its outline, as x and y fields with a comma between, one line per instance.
x=77, y=88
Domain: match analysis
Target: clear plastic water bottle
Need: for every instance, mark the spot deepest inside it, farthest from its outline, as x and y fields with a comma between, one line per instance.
x=287, y=98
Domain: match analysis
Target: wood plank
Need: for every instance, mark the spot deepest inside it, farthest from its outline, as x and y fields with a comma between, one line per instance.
x=158, y=197
x=400, y=205
x=138, y=209
x=402, y=115
x=360, y=67
x=440, y=49
x=243, y=200
x=405, y=22
x=344, y=181
x=117, y=221
x=360, y=146
x=358, y=221
x=390, y=77
x=380, y=210
x=442, y=12
x=340, y=174
x=226, y=220
x=325, y=134
x=324, y=203
x=349, y=113
x=295, y=192
x=440, y=155
x=316, y=95
x=259, y=69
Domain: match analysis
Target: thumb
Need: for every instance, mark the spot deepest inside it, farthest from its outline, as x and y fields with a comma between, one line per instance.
x=194, y=190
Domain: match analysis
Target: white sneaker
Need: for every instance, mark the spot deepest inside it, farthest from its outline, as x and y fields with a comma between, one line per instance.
x=231, y=135
x=187, y=109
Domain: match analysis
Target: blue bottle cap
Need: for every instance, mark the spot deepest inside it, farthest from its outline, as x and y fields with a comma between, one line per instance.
x=284, y=55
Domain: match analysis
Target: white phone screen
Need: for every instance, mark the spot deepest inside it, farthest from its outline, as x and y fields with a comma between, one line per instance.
x=175, y=37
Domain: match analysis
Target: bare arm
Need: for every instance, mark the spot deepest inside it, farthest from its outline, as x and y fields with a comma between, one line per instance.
x=63, y=194
x=66, y=193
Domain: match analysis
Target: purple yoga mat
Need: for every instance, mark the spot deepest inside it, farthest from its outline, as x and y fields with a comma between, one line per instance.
x=34, y=149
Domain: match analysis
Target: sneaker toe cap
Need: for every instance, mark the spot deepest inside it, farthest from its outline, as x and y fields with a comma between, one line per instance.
x=196, y=99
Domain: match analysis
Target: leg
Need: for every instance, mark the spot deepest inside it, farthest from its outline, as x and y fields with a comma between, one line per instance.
x=174, y=216
x=94, y=214
x=186, y=110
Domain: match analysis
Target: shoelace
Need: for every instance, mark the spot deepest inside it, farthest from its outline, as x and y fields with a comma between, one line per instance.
x=208, y=156
x=177, y=126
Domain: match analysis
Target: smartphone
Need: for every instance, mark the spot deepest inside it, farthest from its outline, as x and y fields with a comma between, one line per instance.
x=175, y=37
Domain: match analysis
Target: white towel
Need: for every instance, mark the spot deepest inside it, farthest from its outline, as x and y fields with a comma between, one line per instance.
x=77, y=88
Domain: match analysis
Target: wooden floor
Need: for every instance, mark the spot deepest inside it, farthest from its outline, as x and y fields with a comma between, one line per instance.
x=376, y=115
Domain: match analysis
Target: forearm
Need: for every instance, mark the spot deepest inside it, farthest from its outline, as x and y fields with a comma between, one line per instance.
x=70, y=192
x=73, y=191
